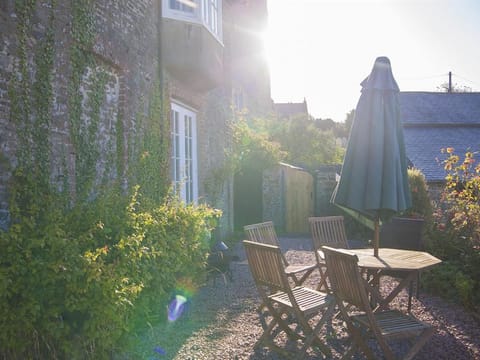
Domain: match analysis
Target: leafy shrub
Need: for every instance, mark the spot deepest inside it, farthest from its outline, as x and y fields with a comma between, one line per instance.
x=70, y=284
x=421, y=203
x=454, y=235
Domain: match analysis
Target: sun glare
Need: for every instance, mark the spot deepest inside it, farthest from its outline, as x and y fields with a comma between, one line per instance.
x=316, y=50
x=285, y=48
x=268, y=46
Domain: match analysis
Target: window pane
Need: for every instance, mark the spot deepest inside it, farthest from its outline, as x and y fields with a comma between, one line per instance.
x=182, y=5
x=184, y=162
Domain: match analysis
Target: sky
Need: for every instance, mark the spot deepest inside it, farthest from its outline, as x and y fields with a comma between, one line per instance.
x=321, y=50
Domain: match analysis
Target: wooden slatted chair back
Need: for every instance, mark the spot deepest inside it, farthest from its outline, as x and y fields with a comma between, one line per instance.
x=264, y=233
x=266, y=265
x=345, y=277
x=328, y=231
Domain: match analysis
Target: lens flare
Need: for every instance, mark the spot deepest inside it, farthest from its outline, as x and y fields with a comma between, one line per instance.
x=159, y=350
x=176, y=307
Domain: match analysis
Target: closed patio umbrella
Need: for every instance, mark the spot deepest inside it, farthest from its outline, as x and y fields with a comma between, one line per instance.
x=373, y=181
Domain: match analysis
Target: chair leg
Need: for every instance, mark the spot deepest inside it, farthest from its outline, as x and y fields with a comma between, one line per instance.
x=275, y=327
x=357, y=338
x=305, y=276
x=424, y=337
x=323, y=285
x=312, y=334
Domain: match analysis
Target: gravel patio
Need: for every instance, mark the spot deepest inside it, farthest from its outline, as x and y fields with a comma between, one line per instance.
x=221, y=321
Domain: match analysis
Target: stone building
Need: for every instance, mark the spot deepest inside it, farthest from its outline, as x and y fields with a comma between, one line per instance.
x=201, y=59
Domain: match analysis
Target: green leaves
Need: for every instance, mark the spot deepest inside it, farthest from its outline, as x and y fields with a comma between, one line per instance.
x=89, y=270
x=456, y=234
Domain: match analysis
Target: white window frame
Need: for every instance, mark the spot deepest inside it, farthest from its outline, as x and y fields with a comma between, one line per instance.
x=206, y=12
x=184, y=163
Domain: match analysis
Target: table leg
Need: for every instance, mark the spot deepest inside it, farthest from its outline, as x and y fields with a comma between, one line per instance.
x=406, y=281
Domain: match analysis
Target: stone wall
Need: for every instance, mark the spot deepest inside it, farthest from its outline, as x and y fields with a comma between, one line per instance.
x=126, y=52
x=325, y=182
x=273, y=196
x=215, y=142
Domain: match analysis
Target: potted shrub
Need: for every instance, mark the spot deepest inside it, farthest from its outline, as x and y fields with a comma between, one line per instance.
x=406, y=230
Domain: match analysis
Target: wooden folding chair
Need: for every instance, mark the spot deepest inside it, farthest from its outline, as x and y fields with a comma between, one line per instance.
x=298, y=312
x=349, y=287
x=265, y=233
x=326, y=231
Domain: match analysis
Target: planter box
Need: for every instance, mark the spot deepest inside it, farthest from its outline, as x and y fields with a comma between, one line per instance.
x=402, y=233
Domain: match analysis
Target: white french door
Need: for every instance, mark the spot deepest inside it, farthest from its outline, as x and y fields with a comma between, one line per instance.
x=184, y=153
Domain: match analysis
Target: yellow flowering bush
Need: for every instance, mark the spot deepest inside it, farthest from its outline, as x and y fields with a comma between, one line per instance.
x=455, y=235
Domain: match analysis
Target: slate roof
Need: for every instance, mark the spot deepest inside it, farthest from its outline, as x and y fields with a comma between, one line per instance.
x=433, y=121
x=287, y=110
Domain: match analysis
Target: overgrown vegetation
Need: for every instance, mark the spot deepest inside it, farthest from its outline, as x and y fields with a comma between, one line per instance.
x=73, y=283
x=421, y=203
x=455, y=236
x=300, y=141
x=80, y=265
x=252, y=147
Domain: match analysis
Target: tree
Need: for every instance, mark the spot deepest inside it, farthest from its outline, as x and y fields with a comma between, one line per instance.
x=349, y=121
x=305, y=143
x=455, y=88
x=252, y=147
x=325, y=124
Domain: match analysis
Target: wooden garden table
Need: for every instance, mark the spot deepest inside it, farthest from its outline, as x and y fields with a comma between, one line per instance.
x=409, y=262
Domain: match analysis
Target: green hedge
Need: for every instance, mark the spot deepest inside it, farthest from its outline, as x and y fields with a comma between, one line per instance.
x=71, y=283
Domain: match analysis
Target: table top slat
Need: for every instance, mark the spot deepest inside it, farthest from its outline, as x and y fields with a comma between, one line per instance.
x=395, y=259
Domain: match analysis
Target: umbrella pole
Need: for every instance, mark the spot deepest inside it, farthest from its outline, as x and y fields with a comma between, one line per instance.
x=376, y=237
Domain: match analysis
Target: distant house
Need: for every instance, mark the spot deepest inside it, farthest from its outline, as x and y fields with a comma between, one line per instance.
x=432, y=121
x=290, y=110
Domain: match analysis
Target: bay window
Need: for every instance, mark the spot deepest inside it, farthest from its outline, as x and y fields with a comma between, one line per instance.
x=205, y=12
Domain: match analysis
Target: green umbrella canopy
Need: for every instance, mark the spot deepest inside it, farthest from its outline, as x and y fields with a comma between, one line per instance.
x=374, y=179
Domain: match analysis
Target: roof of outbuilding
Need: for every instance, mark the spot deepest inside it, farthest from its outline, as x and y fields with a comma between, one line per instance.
x=290, y=109
x=440, y=108
x=433, y=121
x=424, y=144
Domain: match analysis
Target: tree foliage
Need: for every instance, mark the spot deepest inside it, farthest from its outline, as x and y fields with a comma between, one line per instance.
x=301, y=141
x=307, y=142
x=252, y=147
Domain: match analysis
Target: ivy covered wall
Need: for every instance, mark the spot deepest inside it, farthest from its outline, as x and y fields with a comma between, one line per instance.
x=79, y=84
x=84, y=104
x=91, y=240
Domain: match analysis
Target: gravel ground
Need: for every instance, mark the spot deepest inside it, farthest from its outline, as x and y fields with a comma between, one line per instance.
x=222, y=323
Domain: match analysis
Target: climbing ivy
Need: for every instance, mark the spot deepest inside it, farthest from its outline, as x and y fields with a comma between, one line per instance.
x=20, y=86
x=31, y=99
x=75, y=263
x=151, y=158
x=82, y=59
x=42, y=95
